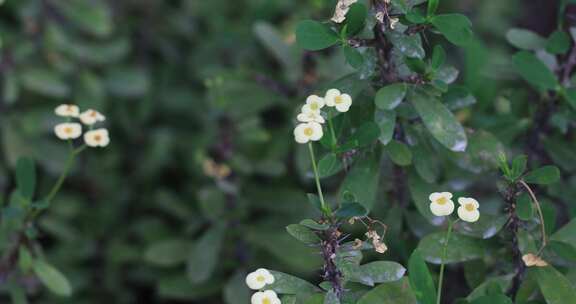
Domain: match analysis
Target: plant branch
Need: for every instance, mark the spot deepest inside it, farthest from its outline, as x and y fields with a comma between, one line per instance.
x=539, y=209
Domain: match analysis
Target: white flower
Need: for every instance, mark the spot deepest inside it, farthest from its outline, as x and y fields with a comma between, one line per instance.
x=90, y=117
x=265, y=297
x=441, y=203
x=310, y=116
x=97, y=138
x=258, y=279
x=67, y=110
x=313, y=104
x=468, y=210
x=308, y=131
x=68, y=130
x=334, y=98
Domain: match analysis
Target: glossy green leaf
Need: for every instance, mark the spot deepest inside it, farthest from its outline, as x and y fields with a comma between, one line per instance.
x=409, y=45
x=534, y=71
x=519, y=166
x=440, y=122
x=543, y=176
x=314, y=225
x=389, y=97
x=288, y=284
x=26, y=177
x=314, y=36
x=348, y=210
x=432, y=7
x=362, y=181
x=329, y=165
x=524, y=208
x=52, y=278
x=355, y=18
x=353, y=57
x=421, y=279
x=455, y=27
x=399, y=153
x=386, y=121
x=525, y=39
x=461, y=248
x=555, y=287
x=492, y=299
x=303, y=234
x=167, y=252
x=398, y=292
x=558, y=43
x=204, y=255
x=438, y=57
x=378, y=272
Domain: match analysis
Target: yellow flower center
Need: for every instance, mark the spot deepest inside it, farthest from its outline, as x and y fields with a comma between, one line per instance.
x=68, y=130
x=266, y=301
x=441, y=201
x=260, y=278
x=314, y=106
x=308, y=131
x=97, y=137
x=338, y=99
x=470, y=207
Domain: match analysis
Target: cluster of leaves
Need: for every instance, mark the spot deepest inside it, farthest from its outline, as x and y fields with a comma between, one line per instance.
x=190, y=81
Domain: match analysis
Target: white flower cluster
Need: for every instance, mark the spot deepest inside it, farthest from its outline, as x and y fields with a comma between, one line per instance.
x=72, y=130
x=311, y=119
x=441, y=204
x=257, y=280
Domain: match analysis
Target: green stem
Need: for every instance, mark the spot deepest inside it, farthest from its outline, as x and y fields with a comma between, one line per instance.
x=332, y=132
x=323, y=205
x=67, y=167
x=444, y=251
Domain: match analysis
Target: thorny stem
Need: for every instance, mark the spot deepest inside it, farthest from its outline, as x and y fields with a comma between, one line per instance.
x=331, y=273
x=323, y=205
x=444, y=251
x=542, y=225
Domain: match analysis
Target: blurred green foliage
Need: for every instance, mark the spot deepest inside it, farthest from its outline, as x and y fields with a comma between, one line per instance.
x=192, y=88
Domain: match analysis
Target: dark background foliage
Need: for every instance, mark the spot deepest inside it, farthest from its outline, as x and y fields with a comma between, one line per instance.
x=184, y=81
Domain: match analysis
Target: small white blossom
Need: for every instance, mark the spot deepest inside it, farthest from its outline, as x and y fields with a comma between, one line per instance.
x=441, y=203
x=265, y=297
x=310, y=116
x=313, y=104
x=97, y=138
x=468, y=210
x=90, y=117
x=68, y=130
x=258, y=279
x=67, y=110
x=334, y=98
x=308, y=131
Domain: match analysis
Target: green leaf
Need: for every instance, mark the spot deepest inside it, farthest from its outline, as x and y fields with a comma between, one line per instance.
x=524, y=208
x=455, y=27
x=492, y=299
x=167, y=252
x=409, y=45
x=94, y=17
x=399, y=153
x=365, y=135
x=272, y=40
x=543, y=176
x=519, y=166
x=421, y=280
x=52, y=278
x=353, y=57
x=534, y=71
x=348, y=210
x=312, y=35
x=461, y=248
x=315, y=201
x=44, y=82
x=303, y=234
x=566, y=234
x=389, y=97
x=432, y=7
x=555, y=287
x=355, y=18
x=386, y=121
x=570, y=96
x=378, y=272
x=362, y=181
x=415, y=16
x=26, y=177
x=398, y=292
x=558, y=43
x=329, y=165
x=287, y=284
x=440, y=122
x=438, y=57
x=204, y=255
x=525, y=39
x=314, y=225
